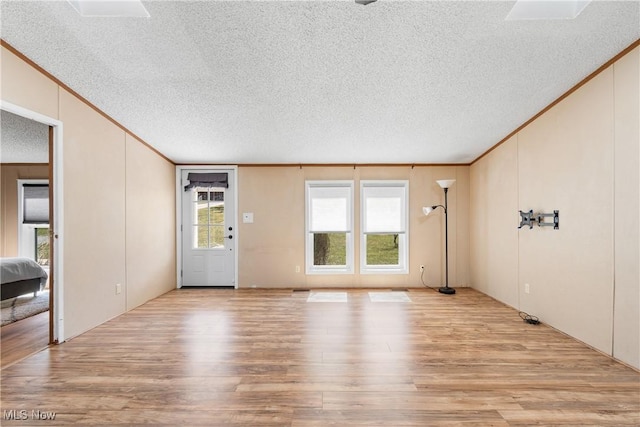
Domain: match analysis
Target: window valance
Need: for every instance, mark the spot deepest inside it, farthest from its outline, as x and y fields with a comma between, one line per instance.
x=217, y=179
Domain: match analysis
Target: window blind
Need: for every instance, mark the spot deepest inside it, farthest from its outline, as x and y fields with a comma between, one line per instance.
x=35, y=208
x=383, y=209
x=330, y=209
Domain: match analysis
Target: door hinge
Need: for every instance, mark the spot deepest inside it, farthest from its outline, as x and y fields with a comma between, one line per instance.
x=181, y=227
x=180, y=273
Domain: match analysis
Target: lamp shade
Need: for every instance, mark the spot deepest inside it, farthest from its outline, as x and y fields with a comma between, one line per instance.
x=427, y=210
x=446, y=183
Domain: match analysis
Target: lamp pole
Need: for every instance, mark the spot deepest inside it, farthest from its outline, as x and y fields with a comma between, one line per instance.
x=446, y=289
x=444, y=184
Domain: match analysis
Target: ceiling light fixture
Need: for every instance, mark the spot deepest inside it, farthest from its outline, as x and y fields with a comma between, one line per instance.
x=365, y=2
x=524, y=10
x=110, y=8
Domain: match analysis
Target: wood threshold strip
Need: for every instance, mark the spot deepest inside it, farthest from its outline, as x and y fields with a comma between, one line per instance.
x=562, y=97
x=50, y=76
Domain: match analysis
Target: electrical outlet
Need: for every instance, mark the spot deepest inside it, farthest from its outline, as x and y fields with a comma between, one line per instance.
x=526, y=288
x=297, y=269
x=118, y=288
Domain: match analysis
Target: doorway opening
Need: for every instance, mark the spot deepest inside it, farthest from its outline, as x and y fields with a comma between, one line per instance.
x=206, y=201
x=47, y=237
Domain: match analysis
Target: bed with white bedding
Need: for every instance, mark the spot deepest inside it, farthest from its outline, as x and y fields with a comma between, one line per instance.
x=19, y=276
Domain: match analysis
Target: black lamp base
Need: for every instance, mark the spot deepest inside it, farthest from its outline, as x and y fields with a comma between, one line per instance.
x=447, y=290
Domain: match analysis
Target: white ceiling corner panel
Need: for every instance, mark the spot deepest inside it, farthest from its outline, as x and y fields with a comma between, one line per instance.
x=320, y=82
x=110, y=8
x=546, y=9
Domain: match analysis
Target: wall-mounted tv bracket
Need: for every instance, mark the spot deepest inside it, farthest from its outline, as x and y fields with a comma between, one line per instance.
x=529, y=218
x=556, y=220
x=526, y=218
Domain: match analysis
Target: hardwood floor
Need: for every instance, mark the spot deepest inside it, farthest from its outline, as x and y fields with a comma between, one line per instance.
x=23, y=338
x=268, y=358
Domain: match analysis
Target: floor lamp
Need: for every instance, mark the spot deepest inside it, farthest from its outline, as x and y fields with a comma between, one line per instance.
x=444, y=184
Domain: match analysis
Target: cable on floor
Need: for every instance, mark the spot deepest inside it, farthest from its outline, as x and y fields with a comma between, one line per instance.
x=532, y=320
x=424, y=284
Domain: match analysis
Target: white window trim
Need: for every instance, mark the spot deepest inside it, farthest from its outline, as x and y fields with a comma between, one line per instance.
x=329, y=269
x=403, y=243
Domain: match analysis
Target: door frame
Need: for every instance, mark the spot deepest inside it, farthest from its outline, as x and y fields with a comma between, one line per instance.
x=232, y=169
x=56, y=330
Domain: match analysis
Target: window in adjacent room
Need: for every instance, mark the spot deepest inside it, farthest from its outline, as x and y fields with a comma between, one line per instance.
x=42, y=245
x=33, y=220
x=384, y=237
x=329, y=227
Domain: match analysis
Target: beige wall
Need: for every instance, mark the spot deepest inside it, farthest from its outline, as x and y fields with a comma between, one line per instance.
x=626, y=322
x=150, y=219
x=10, y=174
x=494, y=232
x=94, y=215
x=109, y=235
x=272, y=246
x=581, y=158
x=23, y=85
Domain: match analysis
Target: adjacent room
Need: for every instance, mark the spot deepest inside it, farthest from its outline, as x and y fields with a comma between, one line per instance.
x=25, y=246
x=288, y=213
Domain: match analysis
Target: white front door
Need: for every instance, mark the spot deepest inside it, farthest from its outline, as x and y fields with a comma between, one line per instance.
x=208, y=228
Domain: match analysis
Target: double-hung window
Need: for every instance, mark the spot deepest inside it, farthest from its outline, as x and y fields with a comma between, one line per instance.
x=329, y=227
x=384, y=237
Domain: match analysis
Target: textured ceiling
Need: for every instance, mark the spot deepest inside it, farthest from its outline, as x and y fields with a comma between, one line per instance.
x=23, y=140
x=320, y=81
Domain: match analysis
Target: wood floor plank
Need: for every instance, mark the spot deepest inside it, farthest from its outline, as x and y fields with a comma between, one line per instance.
x=23, y=338
x=573, y=417
x=270, y=358
x=207, y=417
x=397, y=418
x=452, y=401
